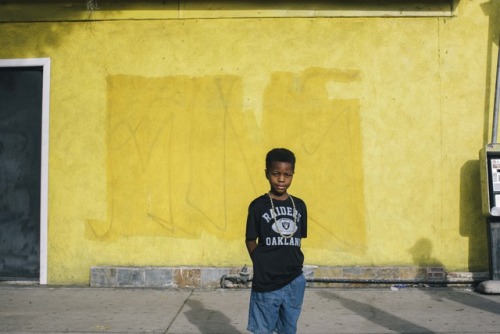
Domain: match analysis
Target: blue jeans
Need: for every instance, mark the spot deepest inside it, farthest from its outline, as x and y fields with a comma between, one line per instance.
x=277, y=311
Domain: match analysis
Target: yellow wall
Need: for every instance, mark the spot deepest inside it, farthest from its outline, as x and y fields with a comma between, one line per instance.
x=159, y=128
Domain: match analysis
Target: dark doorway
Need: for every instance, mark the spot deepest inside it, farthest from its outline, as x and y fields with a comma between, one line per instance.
x=20, y=166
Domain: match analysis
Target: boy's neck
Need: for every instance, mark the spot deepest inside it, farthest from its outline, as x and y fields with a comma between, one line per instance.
x=280, y=197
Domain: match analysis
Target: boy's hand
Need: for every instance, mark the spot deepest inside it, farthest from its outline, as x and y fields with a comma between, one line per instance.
x=251, y=245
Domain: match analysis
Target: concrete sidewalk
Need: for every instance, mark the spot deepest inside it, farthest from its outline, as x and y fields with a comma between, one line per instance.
x=38, y=309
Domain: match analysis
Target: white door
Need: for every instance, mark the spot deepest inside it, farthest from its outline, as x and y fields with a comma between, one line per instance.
x=22, y=200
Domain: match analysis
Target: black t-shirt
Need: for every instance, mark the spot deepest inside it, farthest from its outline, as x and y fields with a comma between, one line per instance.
x=277, y=259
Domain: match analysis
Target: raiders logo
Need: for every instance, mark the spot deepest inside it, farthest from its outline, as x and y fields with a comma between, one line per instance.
x=285, y=227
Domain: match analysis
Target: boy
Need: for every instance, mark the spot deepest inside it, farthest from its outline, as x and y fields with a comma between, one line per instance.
x=276, y=223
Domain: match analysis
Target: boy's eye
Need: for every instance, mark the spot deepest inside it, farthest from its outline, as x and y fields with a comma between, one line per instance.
x=286, y=175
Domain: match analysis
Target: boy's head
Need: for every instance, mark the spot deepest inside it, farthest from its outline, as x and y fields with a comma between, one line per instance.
x=280, y=155
x=280, y=167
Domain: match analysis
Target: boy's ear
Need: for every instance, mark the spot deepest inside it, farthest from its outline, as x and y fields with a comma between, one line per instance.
x=267, y=176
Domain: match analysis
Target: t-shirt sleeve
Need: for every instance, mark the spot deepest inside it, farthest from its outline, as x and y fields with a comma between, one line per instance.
x=303, y=223
x=252, y=223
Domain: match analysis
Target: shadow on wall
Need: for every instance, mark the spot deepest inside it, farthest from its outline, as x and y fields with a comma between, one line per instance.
x=33, y=40
x=472, y=223
x=318, y=5
x=421, y=254
x=491, y=9
x=89, y=10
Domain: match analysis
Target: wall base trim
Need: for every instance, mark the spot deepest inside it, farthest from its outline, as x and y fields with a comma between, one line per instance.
x=210, y=277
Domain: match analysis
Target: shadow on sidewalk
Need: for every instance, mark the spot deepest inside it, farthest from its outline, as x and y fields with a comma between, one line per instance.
x=421, y=253
x=209, y=320
x=473, y=300
x=376, y=315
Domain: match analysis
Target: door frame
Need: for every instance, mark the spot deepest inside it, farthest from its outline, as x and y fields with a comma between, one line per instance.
x=44, y=168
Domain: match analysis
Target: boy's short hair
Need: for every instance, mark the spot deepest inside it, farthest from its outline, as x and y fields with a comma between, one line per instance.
x=281, y=155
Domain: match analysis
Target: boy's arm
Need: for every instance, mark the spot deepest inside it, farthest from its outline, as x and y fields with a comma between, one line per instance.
x=251, y=245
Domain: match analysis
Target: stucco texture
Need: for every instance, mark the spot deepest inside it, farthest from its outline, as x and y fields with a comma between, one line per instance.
x=159, y=128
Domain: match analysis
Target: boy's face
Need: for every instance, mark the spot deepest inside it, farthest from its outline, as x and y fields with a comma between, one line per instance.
x=280, y=175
